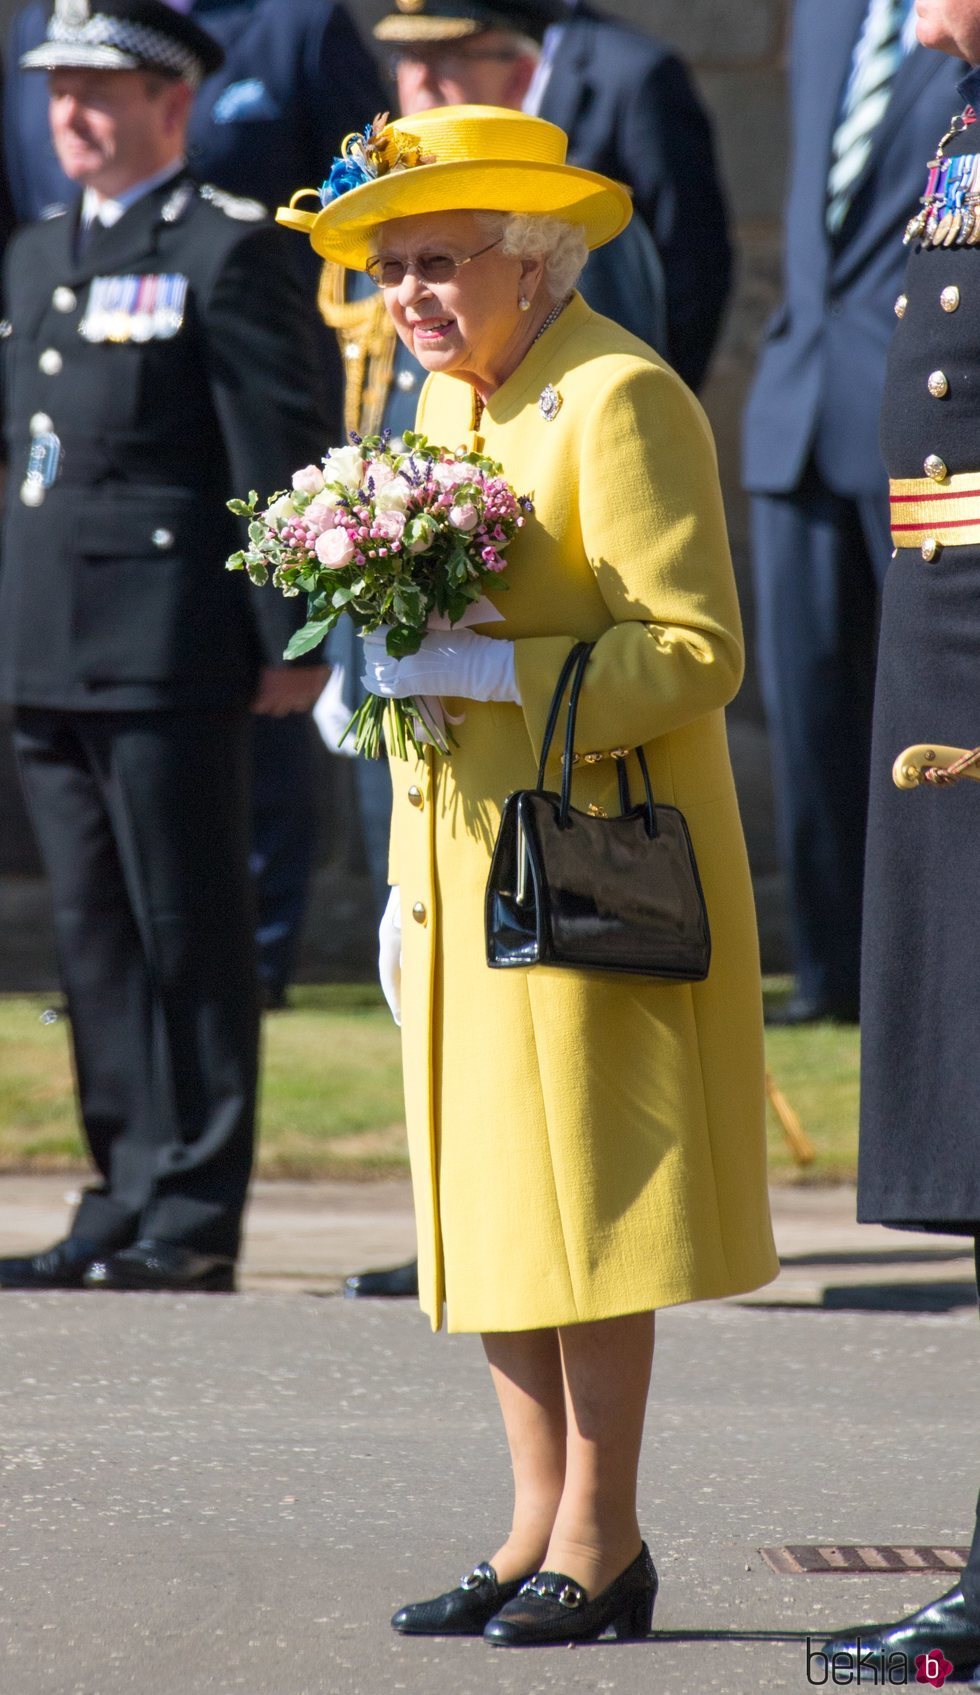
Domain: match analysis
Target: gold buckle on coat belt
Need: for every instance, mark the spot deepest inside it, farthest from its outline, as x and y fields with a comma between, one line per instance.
x=925, y=513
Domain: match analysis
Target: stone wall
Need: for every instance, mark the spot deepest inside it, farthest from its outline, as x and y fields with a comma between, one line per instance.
x=736, y=50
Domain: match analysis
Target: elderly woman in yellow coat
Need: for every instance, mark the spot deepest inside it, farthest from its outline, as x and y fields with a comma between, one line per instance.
x=585, y=1147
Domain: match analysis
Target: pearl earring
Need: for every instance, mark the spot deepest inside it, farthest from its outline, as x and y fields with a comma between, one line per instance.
x=524, y=303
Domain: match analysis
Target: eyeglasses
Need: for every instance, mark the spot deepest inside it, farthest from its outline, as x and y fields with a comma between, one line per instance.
x=428, y=267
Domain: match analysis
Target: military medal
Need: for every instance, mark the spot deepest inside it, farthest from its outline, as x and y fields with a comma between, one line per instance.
x=169, y=314
x=134, y=308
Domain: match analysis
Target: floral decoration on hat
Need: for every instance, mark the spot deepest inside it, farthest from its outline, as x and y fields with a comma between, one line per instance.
x=375, y=152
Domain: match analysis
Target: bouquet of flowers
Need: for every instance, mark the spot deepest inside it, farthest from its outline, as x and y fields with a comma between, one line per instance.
x=400, y=541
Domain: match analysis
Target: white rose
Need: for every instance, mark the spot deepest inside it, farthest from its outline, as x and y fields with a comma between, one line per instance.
x=394, y=497
x=281, y=511
x=344, y=465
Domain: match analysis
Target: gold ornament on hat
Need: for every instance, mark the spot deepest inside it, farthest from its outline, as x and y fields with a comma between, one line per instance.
x=410, y=5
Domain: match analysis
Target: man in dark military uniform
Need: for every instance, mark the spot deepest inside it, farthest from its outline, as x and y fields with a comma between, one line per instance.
x=919, y=1162
x=295, y=76
x=159, y=357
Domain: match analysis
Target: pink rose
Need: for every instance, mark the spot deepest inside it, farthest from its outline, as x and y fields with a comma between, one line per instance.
x=465, y=517
x=309, y=480
x=334, y=549
x=318, y=518
x=390, y=525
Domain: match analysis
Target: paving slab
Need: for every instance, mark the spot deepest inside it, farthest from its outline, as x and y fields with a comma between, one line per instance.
x=217, y=1495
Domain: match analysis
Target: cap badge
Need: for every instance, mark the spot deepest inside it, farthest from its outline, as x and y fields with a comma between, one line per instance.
x=410, y=5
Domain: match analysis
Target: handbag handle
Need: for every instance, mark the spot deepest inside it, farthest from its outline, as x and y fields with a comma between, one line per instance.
x=574, y=668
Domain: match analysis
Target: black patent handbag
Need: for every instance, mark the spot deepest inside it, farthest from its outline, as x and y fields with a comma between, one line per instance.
x=575, y=889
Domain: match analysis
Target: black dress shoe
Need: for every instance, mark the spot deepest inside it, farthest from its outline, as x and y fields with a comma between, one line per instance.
x=399, y=1280
x=163, y=1265
x=61, y=1267
x=797, y=1011
x=944, y=1626
x=551, y=1608
x=463, y=1611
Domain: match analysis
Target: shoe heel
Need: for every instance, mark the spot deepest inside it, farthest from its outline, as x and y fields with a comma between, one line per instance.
x=220, y=1281
x=635, y=1622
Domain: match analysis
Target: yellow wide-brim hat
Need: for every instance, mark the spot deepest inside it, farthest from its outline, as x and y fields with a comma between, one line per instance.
x=454, y=159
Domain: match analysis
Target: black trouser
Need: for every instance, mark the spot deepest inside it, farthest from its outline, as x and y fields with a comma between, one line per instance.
x=142, y=823
x=971, y=1576
x=818, y=561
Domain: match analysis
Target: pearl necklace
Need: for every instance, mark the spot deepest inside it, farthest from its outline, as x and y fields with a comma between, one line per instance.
x=552, y=318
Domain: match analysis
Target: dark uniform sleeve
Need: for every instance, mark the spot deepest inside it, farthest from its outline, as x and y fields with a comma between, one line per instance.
x=267, y=390
x=668, y=142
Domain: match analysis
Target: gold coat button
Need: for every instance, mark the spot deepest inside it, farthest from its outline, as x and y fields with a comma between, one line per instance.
x=949, y=299
x=901, y=305
x=930, y=549
x=64, y=299
x=419, y=913
x=50, y=362
x=938, y=385
x=936, y=468
x=414, y=796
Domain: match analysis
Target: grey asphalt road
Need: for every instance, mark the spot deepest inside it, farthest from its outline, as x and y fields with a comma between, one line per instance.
x=229, y=1495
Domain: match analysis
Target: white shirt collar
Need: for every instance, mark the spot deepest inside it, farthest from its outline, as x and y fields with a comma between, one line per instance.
x=98, y=208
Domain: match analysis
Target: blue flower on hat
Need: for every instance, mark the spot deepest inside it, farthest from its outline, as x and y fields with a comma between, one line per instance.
x=345, y=174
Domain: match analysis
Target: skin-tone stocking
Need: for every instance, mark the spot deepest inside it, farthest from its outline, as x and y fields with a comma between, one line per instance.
x=573, y=1403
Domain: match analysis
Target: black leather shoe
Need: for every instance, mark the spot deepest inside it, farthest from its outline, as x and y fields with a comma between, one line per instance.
x=797, y=1011
x=399, y=1280
x=551, y=1608
x=943, y=1626
x=463, y=1611
x=162, y=1265
x=61, y=1267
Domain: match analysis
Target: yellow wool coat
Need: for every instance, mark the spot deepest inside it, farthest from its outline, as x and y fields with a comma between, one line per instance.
x=584, y=1144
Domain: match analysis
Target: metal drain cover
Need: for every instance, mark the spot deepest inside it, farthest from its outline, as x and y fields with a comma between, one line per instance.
x=802, y=1560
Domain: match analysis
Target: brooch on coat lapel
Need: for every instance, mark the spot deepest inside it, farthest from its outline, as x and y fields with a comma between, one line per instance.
x=550, y=403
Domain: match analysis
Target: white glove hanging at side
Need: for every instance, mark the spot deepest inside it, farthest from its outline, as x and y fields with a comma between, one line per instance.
x=449, y=662
x=390, y=953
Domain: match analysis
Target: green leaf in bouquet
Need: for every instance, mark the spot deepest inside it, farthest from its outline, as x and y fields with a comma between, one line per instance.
x=256, y=532
x=236, y=562
x=341, y=596
x=408, y=604
x=309, y=637
x=242, y=508
x=401, y=641
x=258, y=570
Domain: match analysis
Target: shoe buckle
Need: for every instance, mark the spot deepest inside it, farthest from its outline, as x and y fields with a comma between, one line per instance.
x=569, y=1595
x=474, y=1578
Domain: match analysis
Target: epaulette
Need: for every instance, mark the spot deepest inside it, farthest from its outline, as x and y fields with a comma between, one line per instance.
x=55, y=210
x=233, y=205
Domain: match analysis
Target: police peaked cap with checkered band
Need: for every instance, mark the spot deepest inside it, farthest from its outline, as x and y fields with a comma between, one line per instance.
x=125, y=35
x=418, y=22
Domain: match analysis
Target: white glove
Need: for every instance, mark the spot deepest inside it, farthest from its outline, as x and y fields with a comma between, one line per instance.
x=449, y=662
x=332, y=714
x=390, y=954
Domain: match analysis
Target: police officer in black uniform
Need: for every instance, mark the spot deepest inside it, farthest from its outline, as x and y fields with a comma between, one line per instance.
x=159, y=357
x=919, y=1164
